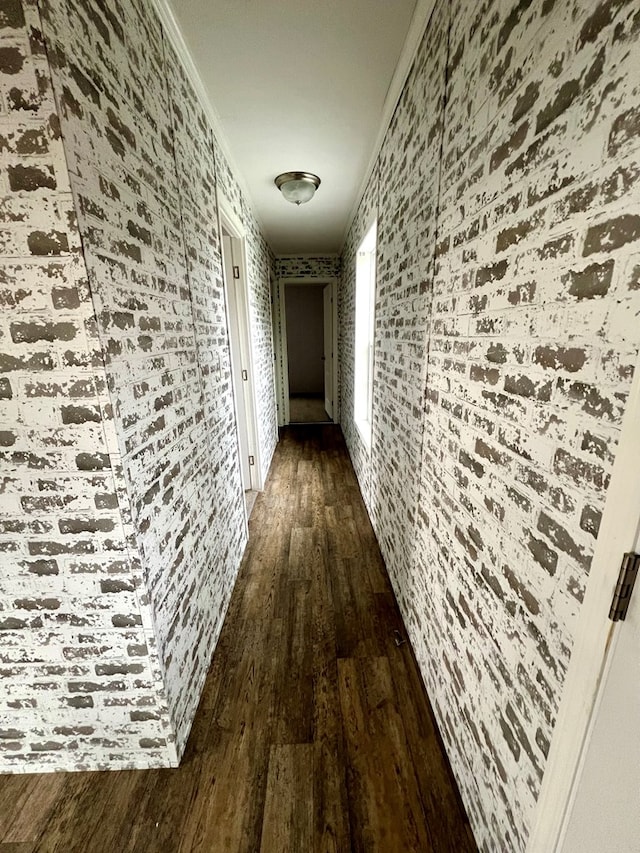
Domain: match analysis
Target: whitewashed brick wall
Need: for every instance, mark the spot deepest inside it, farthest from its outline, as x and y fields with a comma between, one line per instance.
x=146, y=457
x=307, y=266
x=506, y=334
x=80, y=679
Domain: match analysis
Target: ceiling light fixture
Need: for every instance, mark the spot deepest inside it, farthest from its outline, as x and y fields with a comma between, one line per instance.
x=297, y=187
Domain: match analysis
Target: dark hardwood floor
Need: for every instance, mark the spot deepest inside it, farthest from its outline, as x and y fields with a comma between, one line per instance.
x=314, y=733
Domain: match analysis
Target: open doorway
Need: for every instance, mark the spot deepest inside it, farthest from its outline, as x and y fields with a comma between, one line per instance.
x=234, y=274
x=306, y=365
x=304, y=309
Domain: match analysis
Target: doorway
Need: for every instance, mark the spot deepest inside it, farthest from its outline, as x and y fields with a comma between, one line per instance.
x=306, y=348
x=236, y=297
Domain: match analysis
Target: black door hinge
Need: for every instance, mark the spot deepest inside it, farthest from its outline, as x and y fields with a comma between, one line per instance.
x=236, y=272
x=624, y=587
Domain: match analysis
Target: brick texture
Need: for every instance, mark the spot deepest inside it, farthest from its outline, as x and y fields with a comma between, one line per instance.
x=81, y=682
x=133, y=331
x=304, y=266
x=506, y=337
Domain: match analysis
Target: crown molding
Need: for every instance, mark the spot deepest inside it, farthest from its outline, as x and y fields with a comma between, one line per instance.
x=419, y=21
x=173, y=32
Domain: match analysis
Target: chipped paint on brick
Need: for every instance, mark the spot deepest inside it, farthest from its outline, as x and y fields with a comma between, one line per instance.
x=307, y=266
x=62, y=540
x=123, y=514
x=506, y=334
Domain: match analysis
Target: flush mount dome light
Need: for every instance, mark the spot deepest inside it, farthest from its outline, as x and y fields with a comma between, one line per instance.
x=297, y=187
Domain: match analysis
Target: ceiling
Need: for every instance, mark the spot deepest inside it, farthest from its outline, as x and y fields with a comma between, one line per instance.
x=298, y=85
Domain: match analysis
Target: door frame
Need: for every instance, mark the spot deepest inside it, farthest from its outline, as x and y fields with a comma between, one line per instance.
x=328, y=346
x=280, y=341
x=231, y=223
x=594, y=639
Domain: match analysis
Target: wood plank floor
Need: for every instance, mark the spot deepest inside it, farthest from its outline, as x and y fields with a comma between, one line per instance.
x=314, y=734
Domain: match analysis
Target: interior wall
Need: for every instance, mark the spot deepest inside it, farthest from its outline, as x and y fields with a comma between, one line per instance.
x=506, y=334
x=81, y=681
x=307, y=266
x=143, y=167
x=304, y=311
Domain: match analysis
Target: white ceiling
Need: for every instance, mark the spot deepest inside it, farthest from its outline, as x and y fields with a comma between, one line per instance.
x=298, y=85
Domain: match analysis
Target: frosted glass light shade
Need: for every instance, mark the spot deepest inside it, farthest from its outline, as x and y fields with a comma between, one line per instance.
x=297, y=187
x=298, y=192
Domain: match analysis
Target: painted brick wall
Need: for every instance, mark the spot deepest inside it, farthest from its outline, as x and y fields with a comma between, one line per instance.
x=80, y=679
x=525, y=341
x=143, y=170
x=143, y=166
x=304, y=266
x=408, y=187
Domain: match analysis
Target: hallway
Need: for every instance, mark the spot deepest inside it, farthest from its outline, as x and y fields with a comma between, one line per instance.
x=313, y=733
x=469, y=208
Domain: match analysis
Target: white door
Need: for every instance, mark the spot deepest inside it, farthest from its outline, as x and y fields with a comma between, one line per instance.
x=590, y=796
x=606, y=808
x=236, y=359
x=327, y=313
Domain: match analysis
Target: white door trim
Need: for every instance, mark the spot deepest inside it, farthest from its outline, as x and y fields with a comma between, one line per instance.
x=277, y=319
x=334, y=320
x=234, y=227
x=282, y=362
x=594, y=637
x=237, y=385
x=327, y=348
